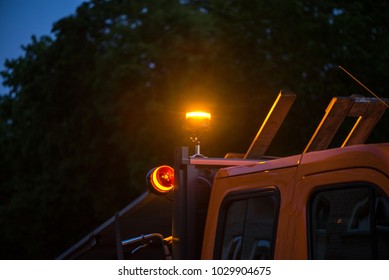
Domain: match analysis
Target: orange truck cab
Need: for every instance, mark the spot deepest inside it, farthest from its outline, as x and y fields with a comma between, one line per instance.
x=320, y=204
x=329, y=204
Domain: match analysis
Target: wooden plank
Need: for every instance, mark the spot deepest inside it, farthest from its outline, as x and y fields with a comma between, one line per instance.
x=234, y=155
x=368, y=112
x=335, y=114
x=270, y=126
x=365, y=123
x=359, y=107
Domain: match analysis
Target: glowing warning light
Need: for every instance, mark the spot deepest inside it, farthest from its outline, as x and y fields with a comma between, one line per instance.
x=197, y=123
x=162, y=178
x=198, y=115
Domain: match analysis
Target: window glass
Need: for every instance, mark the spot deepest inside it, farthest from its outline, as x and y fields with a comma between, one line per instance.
x=349, y=223
x=249, y=227
x=234, y=225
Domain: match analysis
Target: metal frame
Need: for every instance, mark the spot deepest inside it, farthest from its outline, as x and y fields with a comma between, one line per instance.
x=191, y=197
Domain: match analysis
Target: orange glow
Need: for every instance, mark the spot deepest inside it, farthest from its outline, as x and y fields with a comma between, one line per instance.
x=198, y=115
x=162, y=178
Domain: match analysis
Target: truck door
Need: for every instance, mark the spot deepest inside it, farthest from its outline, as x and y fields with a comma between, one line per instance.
x=248, y=214
x=341, y=213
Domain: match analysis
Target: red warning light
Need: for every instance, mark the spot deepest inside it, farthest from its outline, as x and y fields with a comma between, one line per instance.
x=162, y=178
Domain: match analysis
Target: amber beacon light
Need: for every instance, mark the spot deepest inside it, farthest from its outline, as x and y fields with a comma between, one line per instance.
x=161, y=179
x=197, y=123
x=198, y=115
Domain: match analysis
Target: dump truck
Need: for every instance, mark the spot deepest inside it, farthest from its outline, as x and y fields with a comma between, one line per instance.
x=323, y=203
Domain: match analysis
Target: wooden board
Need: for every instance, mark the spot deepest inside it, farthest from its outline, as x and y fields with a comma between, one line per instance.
x=270, y=126
x=368, y=112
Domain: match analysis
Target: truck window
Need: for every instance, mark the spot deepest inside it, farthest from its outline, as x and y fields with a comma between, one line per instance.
x=247, y=226
x=349, y=222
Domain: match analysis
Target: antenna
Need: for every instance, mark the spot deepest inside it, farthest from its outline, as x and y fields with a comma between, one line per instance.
x=365, y=87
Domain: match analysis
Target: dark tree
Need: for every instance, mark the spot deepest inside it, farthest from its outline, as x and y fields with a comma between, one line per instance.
x=93, y=107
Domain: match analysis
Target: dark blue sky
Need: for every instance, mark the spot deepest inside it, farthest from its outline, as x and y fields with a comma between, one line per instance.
x=20, y=19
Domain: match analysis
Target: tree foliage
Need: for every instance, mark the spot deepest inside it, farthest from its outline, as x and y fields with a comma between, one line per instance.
x=93, y=107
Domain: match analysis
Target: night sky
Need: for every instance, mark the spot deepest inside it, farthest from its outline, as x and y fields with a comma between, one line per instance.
x=20, y=19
